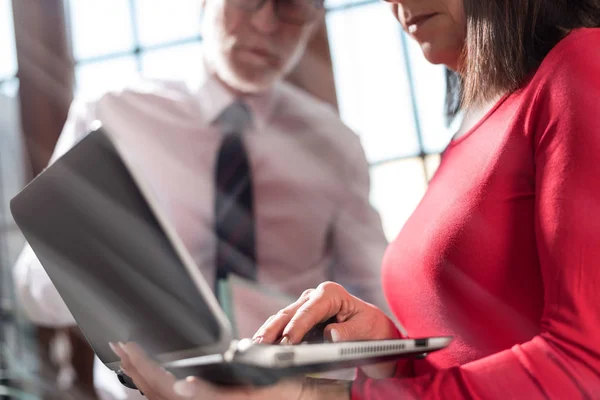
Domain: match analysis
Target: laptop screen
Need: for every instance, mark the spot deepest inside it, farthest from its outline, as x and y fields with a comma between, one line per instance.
x=109, y=258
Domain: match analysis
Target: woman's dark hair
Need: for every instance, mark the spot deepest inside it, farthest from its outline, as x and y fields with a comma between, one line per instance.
x=453, y=95
x=508, y=39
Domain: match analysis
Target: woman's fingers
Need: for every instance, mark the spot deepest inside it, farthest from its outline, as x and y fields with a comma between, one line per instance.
x=324, y=303
x=150, y=379
x=351, y=330
x=189, y=388
x=292, y=323
x=272, y=329
x=131, y=371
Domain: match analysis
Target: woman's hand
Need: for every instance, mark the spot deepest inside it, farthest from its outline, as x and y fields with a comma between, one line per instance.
x=158, y=384
x=356, y=320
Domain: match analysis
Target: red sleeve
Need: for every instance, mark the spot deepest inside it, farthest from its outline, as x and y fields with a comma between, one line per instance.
x=563, y=361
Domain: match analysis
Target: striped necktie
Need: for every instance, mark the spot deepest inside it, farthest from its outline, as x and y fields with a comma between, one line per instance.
x=234, y=204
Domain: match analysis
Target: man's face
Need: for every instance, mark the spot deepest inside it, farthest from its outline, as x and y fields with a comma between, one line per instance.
x=250, y=50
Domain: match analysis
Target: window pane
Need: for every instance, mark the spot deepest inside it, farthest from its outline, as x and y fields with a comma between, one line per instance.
x=432, y=162
x=100, y=27
x=12, y=175
x=369, y=68
x=8, y=66
x=10, y=88
x=179, y=63
x=430, y=88
x=396, y=189
x=161, y=21
x=95, y=78
x=336, y=4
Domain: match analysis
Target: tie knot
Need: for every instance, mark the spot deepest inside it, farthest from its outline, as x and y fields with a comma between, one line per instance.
x=236, y=118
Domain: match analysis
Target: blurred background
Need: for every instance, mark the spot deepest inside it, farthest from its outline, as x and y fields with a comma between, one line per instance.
x=51, y=50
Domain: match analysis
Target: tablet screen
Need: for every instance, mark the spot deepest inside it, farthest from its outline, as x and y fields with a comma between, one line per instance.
x=109, y=258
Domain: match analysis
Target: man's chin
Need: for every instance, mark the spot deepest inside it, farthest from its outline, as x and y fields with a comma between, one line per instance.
x=253, y=81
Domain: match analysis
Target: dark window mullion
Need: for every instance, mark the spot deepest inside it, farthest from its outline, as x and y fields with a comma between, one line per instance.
x=424, y=164
x=137, y=49
x=165, y=45
x=390, y=160
x=413, y=100
x=412, y=90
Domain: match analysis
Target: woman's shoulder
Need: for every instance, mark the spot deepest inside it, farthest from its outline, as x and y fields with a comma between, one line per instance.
x=570, y=71
x=577, y=53
x=580, y=38
x=565, y=89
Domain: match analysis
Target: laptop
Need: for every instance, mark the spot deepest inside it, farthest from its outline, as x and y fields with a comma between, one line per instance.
x=124, y=274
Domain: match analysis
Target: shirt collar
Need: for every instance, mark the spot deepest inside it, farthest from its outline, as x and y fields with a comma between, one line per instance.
x=214, y=97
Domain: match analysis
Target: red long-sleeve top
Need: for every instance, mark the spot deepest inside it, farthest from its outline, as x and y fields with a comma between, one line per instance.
x=503, y=252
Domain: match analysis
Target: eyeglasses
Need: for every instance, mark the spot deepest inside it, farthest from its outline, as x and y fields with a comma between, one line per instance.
x=297, y=12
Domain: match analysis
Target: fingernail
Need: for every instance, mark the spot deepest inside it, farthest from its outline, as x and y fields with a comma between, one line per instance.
x=117, y=349
x=285, y=341
x=184, y=388
x=123, y=347
x=335, y=335
x=258, y=340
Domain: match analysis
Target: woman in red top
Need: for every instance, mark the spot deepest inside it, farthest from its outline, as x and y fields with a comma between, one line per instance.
x=503, y=252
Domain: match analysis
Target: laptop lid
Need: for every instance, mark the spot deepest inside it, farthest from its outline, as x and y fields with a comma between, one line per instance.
x=115, y=260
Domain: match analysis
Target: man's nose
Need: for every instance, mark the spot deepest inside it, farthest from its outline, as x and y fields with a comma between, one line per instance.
x=265, y=19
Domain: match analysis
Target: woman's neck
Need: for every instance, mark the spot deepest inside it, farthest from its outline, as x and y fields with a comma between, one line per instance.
x=473, y=115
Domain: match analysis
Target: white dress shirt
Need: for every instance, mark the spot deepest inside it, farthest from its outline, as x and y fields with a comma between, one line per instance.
x=311, y=186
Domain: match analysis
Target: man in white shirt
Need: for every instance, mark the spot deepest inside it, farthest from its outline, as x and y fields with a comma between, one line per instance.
x=310, y=182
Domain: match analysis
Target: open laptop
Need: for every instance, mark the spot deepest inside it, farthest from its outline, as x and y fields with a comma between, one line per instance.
x=126, y=276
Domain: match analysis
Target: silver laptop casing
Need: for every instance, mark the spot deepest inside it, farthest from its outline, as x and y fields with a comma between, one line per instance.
x=29, y=210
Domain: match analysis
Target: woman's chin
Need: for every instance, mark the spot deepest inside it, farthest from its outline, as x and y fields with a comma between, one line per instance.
x=440, y=56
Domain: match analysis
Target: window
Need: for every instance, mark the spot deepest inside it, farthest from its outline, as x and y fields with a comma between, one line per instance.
x=393, y=99
x=157, y=38
x=11, y=179
x=9, y=138
x=8, y=66
x=387, y=92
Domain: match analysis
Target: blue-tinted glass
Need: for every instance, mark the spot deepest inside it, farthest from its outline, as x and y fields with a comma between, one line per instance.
x=8, y=65
x=161, y=21
x=175, y=63
x=371, y=81
x=430, y=87
x=336, y=4
x=98, y=77
x=12, y=178
x=10, y=87
x=432, y=162
x=396, y=190
x=100, y=27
